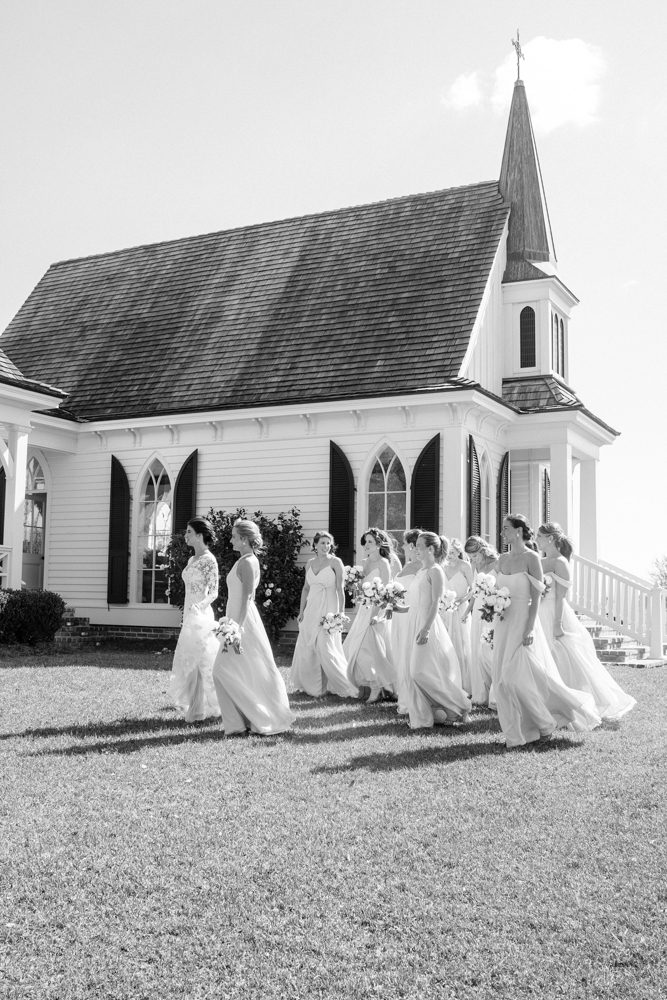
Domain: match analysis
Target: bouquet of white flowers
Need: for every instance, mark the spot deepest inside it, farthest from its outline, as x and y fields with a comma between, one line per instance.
x=485, y=583
x=352, y=577
x=548, y=584
x=494, y=603
x=387, y=596
x=448, y=601
x=334, y=622
x=229, y=633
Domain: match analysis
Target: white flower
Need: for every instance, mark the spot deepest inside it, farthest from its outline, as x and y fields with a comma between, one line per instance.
x=267, y=604
x=278, y=590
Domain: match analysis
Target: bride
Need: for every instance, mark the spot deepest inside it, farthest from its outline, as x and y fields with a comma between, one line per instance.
x=532, y=699
x=249, y=686
x=191, y=682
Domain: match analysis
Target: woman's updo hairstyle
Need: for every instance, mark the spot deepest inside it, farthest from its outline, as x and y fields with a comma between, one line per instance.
x=438, y=543
x=249, y=531
x=202, y=527
x=561, y=541
x=519, y=521
x=381, y=539
x=456, y=549
x=476, y=546
x=410, y=537
x=324, y=534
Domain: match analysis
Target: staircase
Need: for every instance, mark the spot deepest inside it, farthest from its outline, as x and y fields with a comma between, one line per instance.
x=613, y=647
x=76, y=632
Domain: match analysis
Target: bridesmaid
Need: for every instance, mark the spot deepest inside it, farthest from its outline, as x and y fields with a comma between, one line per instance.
x=570, y=644
x=249, y=686
x=319, y=664
x=433, y=690
x=402, y=635
x=531, y=697
x=191, y=682
x=484, y=559
x=459, y=578
x=368, y=644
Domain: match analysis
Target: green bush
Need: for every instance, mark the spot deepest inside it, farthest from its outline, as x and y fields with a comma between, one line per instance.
x=30, y=616
x=279, y=590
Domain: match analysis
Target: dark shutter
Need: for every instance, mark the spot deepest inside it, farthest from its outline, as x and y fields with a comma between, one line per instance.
x=546, y=498
x=341, y=503
x=3, y=489
x=119, y=534
x=425, y=493
x=474, y=491
x=527, y=337
x=185, y=494
x=503, y=499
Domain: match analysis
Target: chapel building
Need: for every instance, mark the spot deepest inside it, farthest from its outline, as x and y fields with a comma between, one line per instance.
x=397, y=364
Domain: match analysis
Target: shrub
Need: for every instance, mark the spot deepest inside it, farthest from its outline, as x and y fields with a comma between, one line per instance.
x=279, y=590
x=30, y=616
x=658, y=573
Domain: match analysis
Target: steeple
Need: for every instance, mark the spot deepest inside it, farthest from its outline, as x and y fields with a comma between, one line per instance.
x=530, y=237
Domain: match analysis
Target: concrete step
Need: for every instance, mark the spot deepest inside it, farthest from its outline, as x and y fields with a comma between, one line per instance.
x=625, y=654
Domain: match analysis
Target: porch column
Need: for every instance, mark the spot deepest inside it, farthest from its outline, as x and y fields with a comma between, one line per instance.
x=454, y=482
x=588, y=509
x=15, y=500
x=561, y=484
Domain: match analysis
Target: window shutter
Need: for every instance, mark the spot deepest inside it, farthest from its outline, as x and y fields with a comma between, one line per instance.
x=425, y=492
x=3, y=489
x=474, y=491
x=503, y=499
x=341, y=503
x=546, y=498
x=119, y=534
x=185, y=494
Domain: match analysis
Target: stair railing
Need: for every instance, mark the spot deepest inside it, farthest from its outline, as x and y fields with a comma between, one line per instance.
x=623, y=602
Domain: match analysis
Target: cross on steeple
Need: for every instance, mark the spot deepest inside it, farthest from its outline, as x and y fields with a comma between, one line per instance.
x=519, y=54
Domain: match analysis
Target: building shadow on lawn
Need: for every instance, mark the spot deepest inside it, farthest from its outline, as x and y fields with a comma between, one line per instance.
x=408, y=760
x=120, y=727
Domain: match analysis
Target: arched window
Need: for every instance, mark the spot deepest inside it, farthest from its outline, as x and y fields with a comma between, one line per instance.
x=561, y=350
x=387, y=495
x=34, y=509
x=154, y=533
x=527, y=337
x=554, y=344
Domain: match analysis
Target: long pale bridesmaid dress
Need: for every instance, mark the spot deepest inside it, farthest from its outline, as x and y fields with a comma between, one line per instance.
x=459, y=631
x=403, y=632
x=367, y=649
x=249, y=686
x=576, y=659
x=433, y=682
x=532, y=699
x=481, y=654
x=319, y=664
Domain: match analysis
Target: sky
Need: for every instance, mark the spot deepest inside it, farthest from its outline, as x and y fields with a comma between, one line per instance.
x=136, y=121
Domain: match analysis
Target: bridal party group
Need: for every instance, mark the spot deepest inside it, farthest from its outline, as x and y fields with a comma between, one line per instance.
x=446, y=627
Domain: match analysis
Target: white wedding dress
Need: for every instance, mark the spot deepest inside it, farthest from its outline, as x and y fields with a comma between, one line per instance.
x=433, y=679
x=481, y=654
x=403, y=632
x=367, y=649
x=319, y=664
x=577, y=660
x=191, y=682
x=532, y=699
x=250, y=688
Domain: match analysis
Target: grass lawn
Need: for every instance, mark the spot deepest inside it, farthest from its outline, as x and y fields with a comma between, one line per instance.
x=144, y=858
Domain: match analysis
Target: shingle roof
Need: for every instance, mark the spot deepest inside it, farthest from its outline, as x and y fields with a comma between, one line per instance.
x=538, y=392
x=10, y=375
x=366, y=301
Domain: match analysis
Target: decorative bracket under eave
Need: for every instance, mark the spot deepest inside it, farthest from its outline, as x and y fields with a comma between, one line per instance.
x=102, y=438
x=359, y=418
x=263, y=425
x=217, y=426
x=136, y=436
x=309, y=422
x=174, y=432
x=408, y=416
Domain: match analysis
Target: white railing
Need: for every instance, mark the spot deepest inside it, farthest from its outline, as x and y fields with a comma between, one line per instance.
x=623, y=602
x=5, y=554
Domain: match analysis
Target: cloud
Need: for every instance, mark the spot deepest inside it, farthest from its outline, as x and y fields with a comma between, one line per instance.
x=562, y=82
x=464, y=93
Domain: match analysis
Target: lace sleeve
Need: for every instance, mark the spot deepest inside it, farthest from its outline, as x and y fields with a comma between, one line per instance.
x=209, y=572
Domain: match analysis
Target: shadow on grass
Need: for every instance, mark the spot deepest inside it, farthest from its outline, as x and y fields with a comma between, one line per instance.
x=426, y=756
x=121, y=727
